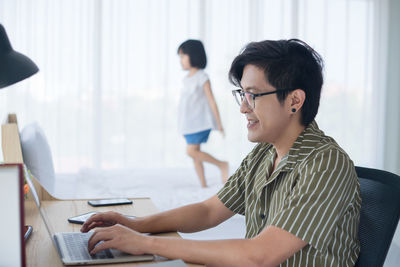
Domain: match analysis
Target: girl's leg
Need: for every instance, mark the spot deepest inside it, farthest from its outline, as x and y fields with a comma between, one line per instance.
x=198, y=164
x=195, y=152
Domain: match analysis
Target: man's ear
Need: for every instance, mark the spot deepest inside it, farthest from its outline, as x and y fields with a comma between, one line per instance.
x=296, y=99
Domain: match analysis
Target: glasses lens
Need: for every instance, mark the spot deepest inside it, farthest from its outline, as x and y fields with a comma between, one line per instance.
x=237, y=96
x=241, y=96
x=249, y=99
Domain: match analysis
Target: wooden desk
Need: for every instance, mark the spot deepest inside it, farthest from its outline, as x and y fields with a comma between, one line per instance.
x=40, y=250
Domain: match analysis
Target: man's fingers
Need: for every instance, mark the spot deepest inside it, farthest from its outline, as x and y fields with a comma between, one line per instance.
x=101, y=246
x=97, y=220
x=88, y=227
x=99, y=235
x=91, y=219
x=96, y=224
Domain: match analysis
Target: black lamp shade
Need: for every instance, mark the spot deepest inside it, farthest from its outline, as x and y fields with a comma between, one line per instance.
x=14, y=66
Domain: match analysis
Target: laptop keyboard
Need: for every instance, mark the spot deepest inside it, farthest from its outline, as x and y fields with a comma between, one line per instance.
x=77, y=244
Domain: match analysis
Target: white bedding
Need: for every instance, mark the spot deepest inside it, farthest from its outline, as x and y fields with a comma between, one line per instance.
x=168, y=188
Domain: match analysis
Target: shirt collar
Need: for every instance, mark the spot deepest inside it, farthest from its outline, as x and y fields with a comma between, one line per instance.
x=302, y=147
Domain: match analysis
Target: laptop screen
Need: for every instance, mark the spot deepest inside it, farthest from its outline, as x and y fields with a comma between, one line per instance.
x=37, y=201
x=31, y=187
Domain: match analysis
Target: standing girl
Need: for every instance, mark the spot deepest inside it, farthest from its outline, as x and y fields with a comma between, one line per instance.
x=198, y=111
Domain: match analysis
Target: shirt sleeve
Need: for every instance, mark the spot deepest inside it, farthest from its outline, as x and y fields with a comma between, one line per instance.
x=232, y=194
x=203, y=78
x=324, y=191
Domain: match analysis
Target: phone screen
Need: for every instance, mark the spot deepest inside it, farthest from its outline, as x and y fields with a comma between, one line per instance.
x=81, y=219
x=109, y=202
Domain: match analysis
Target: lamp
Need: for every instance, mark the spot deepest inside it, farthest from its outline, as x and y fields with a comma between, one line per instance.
x=14, y=66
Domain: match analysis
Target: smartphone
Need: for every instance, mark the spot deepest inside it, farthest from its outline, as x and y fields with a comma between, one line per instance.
x=109, y=202
x=81, y=219
x=28, y=231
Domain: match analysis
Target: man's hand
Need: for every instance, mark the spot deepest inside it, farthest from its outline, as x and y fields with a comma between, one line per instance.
x=104, y=219
x=116, y=237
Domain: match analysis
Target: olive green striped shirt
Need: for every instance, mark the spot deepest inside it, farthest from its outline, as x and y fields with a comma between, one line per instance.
x=313, y=193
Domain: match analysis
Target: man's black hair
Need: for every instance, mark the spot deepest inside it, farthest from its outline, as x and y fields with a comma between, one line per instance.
x=287, y=64
x=195, y=50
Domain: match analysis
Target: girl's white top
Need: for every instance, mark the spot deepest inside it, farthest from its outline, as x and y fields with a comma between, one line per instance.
x=194, y=112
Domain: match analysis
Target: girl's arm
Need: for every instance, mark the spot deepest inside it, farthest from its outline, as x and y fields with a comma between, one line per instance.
x=213, y=105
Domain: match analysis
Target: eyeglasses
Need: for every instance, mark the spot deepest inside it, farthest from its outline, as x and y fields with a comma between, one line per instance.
x=250, y=98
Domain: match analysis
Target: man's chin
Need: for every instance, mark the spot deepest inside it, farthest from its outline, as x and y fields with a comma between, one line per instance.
x=252, y=138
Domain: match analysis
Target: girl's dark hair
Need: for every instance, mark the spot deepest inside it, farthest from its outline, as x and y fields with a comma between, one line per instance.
x=287, y=64
x=195, y=50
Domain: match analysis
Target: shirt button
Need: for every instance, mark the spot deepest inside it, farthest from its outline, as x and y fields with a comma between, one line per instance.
x=262, y=216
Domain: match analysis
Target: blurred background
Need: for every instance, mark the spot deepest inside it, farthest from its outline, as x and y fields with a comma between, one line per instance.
x=110, y=76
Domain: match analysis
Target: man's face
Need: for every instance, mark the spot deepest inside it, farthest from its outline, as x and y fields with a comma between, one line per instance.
x=268, y=120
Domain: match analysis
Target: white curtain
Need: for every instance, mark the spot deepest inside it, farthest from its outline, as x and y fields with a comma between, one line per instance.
x=107, y=91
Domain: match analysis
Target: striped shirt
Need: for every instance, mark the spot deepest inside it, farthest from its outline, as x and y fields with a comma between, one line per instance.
x=313, y=193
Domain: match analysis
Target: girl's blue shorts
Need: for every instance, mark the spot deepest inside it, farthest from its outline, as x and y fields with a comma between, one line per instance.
x=197, y=138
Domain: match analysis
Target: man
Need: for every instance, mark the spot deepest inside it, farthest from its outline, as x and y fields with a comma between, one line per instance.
x=297, y=188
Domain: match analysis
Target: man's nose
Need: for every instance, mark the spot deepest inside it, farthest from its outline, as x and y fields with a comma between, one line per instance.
x=244, y=107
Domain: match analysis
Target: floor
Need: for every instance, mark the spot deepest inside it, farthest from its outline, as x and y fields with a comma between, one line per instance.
x=168, y=188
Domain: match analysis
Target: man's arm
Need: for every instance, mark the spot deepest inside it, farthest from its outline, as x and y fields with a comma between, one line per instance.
x=271, y=247
x=190, y=218
x=186, y=219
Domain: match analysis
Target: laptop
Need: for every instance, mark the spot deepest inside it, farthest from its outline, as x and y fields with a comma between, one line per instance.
x=72, y=246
